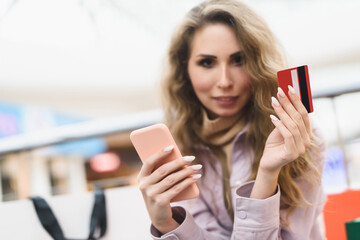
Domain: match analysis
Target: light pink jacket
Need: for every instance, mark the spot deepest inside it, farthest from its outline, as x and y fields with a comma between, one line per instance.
x=206, y=218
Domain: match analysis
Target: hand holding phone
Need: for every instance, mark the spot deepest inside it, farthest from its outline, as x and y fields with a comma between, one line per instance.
x=150, y=140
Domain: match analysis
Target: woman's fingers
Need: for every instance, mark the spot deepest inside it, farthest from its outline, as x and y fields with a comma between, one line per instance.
x=168, y=168
x=290, y=125
x=294, y=110
x=150, y=163
x=172, y=192
x=289, y=141
x=172, y=180
x=153, y=182
x=295, y=99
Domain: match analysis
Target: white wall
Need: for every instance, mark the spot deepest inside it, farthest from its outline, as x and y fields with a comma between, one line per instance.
x=101, y=58
x=97, y=57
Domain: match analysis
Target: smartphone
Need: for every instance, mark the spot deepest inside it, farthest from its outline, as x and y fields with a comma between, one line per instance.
x=152, y=139
x=298, y=78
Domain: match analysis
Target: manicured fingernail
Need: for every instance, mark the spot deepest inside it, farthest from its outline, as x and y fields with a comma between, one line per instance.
x=291, y=89
x=275, y=101
x=189, y=158
x=196, y=176
x=274, y=117
x=281, y=92
x=169, y=148
x=196, y=167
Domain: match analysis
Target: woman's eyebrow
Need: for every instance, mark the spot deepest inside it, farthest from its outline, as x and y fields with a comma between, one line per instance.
x=212, y=56
x=205, y=56
x=241, y=53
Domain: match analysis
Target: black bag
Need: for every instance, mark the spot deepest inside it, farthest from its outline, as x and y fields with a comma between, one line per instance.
x=49, y=222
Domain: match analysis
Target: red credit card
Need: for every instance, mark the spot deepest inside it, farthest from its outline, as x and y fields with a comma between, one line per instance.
x=298, y=78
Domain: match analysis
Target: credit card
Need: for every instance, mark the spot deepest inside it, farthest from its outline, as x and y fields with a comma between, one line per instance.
x=298, y=78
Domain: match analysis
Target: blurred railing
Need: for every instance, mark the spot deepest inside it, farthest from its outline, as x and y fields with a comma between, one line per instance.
x=102, y=127
x=71, y=132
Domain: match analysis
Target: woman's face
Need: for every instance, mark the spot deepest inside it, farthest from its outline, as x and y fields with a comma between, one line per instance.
x=216, y=70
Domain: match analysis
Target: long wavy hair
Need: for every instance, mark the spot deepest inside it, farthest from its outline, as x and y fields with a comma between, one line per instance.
x=263, y=58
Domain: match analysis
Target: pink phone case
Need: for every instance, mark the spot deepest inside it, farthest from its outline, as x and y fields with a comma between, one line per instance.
x=150, y=140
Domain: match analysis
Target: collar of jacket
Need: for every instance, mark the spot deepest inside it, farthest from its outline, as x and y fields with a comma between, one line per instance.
x=201, y=146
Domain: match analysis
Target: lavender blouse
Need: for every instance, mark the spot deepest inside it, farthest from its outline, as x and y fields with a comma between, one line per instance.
x=205, y=218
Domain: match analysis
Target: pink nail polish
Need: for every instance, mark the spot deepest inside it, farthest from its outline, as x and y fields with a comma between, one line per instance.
x=196, y=167
x=291, y=89
x=274, y=117
x=196, y=176
x=189, y=158
x=169, y=148
x=275, y=101
x=281, y=92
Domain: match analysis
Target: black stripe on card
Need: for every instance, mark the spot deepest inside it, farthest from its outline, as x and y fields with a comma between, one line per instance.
x=303, y=87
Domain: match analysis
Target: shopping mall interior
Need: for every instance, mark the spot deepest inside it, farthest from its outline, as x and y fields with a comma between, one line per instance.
x=76, y=77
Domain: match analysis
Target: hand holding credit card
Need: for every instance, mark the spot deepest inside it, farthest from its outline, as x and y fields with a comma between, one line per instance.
x=298, y=78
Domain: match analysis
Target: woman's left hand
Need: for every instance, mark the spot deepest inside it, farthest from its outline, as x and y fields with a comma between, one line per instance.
x=292, y=134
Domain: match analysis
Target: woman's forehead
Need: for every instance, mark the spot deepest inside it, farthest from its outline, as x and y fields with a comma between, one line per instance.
x=215, y=38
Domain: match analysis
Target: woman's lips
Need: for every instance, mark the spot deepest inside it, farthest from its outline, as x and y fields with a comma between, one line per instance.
x=225, y=100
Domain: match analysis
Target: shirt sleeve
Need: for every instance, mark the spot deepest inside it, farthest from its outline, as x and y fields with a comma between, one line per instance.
x=263, y=219
x=196, y=222
x=256, y=218
x=253, y=219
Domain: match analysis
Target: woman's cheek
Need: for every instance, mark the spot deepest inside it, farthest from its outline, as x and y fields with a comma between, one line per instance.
x=201, y=85
x=200, y=82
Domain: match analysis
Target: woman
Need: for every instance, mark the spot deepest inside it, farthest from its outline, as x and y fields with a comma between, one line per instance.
x=260, y=173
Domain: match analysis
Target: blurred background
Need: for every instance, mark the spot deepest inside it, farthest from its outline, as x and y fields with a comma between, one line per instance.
x=77, y=76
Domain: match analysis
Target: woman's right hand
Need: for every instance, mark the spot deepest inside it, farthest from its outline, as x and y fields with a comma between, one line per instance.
x=159, y=186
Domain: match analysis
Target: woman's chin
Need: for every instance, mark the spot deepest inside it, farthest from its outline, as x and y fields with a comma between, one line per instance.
x=227, y=113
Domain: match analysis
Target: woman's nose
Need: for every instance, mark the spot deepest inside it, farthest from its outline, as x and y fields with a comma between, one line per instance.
x=225, y=78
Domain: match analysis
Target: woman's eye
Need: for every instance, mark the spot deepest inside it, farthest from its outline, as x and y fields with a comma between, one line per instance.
x=207, y=63
x=238, y=60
